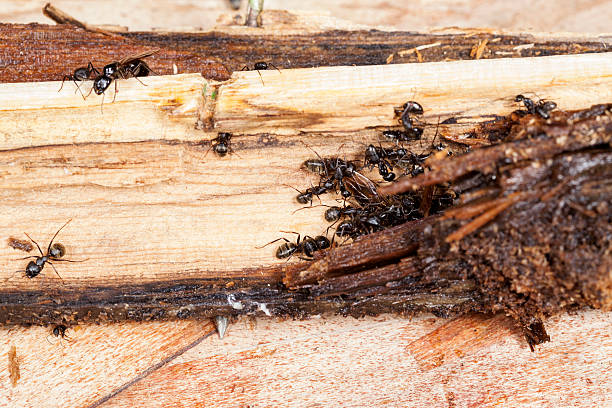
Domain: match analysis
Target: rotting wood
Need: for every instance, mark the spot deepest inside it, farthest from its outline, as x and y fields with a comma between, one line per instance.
x=452, y=298
x=530, y=255
x=237, y=48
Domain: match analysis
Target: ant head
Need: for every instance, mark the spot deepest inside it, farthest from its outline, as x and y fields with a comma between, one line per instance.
x=221, y=149
x=57, y=250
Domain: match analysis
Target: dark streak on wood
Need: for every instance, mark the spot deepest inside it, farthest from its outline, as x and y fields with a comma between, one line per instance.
x=55, y=51
x=366, y=47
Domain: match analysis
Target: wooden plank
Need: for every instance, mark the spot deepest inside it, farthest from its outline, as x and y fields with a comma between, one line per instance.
x=370, y=362
x=148, y=159
x=99, y=358
x=346, y=99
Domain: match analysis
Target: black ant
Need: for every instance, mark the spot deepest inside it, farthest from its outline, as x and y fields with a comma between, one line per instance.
x=260, y=66
x=221, y=144
x=54, y=253
x=129, y=67
x=307, y=246
x=80, y=74
x=376, y=157
x=60, y=331
x=541, y=108
x=404, y=112
x=403, y=136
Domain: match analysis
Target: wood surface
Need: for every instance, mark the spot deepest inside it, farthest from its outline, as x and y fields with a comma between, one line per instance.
x=522, y=15
x=186, y=202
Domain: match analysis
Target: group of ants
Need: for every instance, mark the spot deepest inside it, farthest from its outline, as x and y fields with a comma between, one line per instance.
x=363, y=211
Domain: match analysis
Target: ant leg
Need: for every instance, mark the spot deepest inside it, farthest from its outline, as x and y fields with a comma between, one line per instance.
x=293, y=232
x=260, y=77
x=69, y=260
x=102, y=104
x=303, y=258
x=57, y=273
x=39, y=250
x=136, y=78
x=64, y=80
x=90, y=91
x=91, y=68
x=271, y=242
x=312, y=206
x=26, y=257
x=115, y=94
x=274, y=66
x=79, y=89
x=58, y=231
x=245, y=68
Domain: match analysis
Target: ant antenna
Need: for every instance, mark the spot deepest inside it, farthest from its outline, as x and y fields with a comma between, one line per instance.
x=58, y=231
x=271, y=242
x=37, y=246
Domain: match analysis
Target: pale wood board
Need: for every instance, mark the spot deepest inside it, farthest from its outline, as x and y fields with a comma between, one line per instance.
x=561, y=15
x=320, y=362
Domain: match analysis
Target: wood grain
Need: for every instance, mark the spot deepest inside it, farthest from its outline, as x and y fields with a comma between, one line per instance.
x=369, y=362
x=332, y=361
x=564, y=15
x=344, y=99
x=93, y=363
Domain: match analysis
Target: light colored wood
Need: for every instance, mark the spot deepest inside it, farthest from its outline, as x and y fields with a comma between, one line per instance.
x=165, y=108
x=520, y=15
x=374, y=362
x=93, y=363
x=354, y=98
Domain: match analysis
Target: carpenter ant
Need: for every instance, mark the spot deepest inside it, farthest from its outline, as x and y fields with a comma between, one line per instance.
x=541, y=108
x=403, y=136
x=54, y=253
x=129, y=67
x=80, y=74
x=60, y=331
x=410, y=107
x=376, y=157
x=221, y=144
x=260, y=66
x=307, y=246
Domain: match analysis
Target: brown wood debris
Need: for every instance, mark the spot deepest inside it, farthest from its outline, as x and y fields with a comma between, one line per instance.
x=13, y=365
